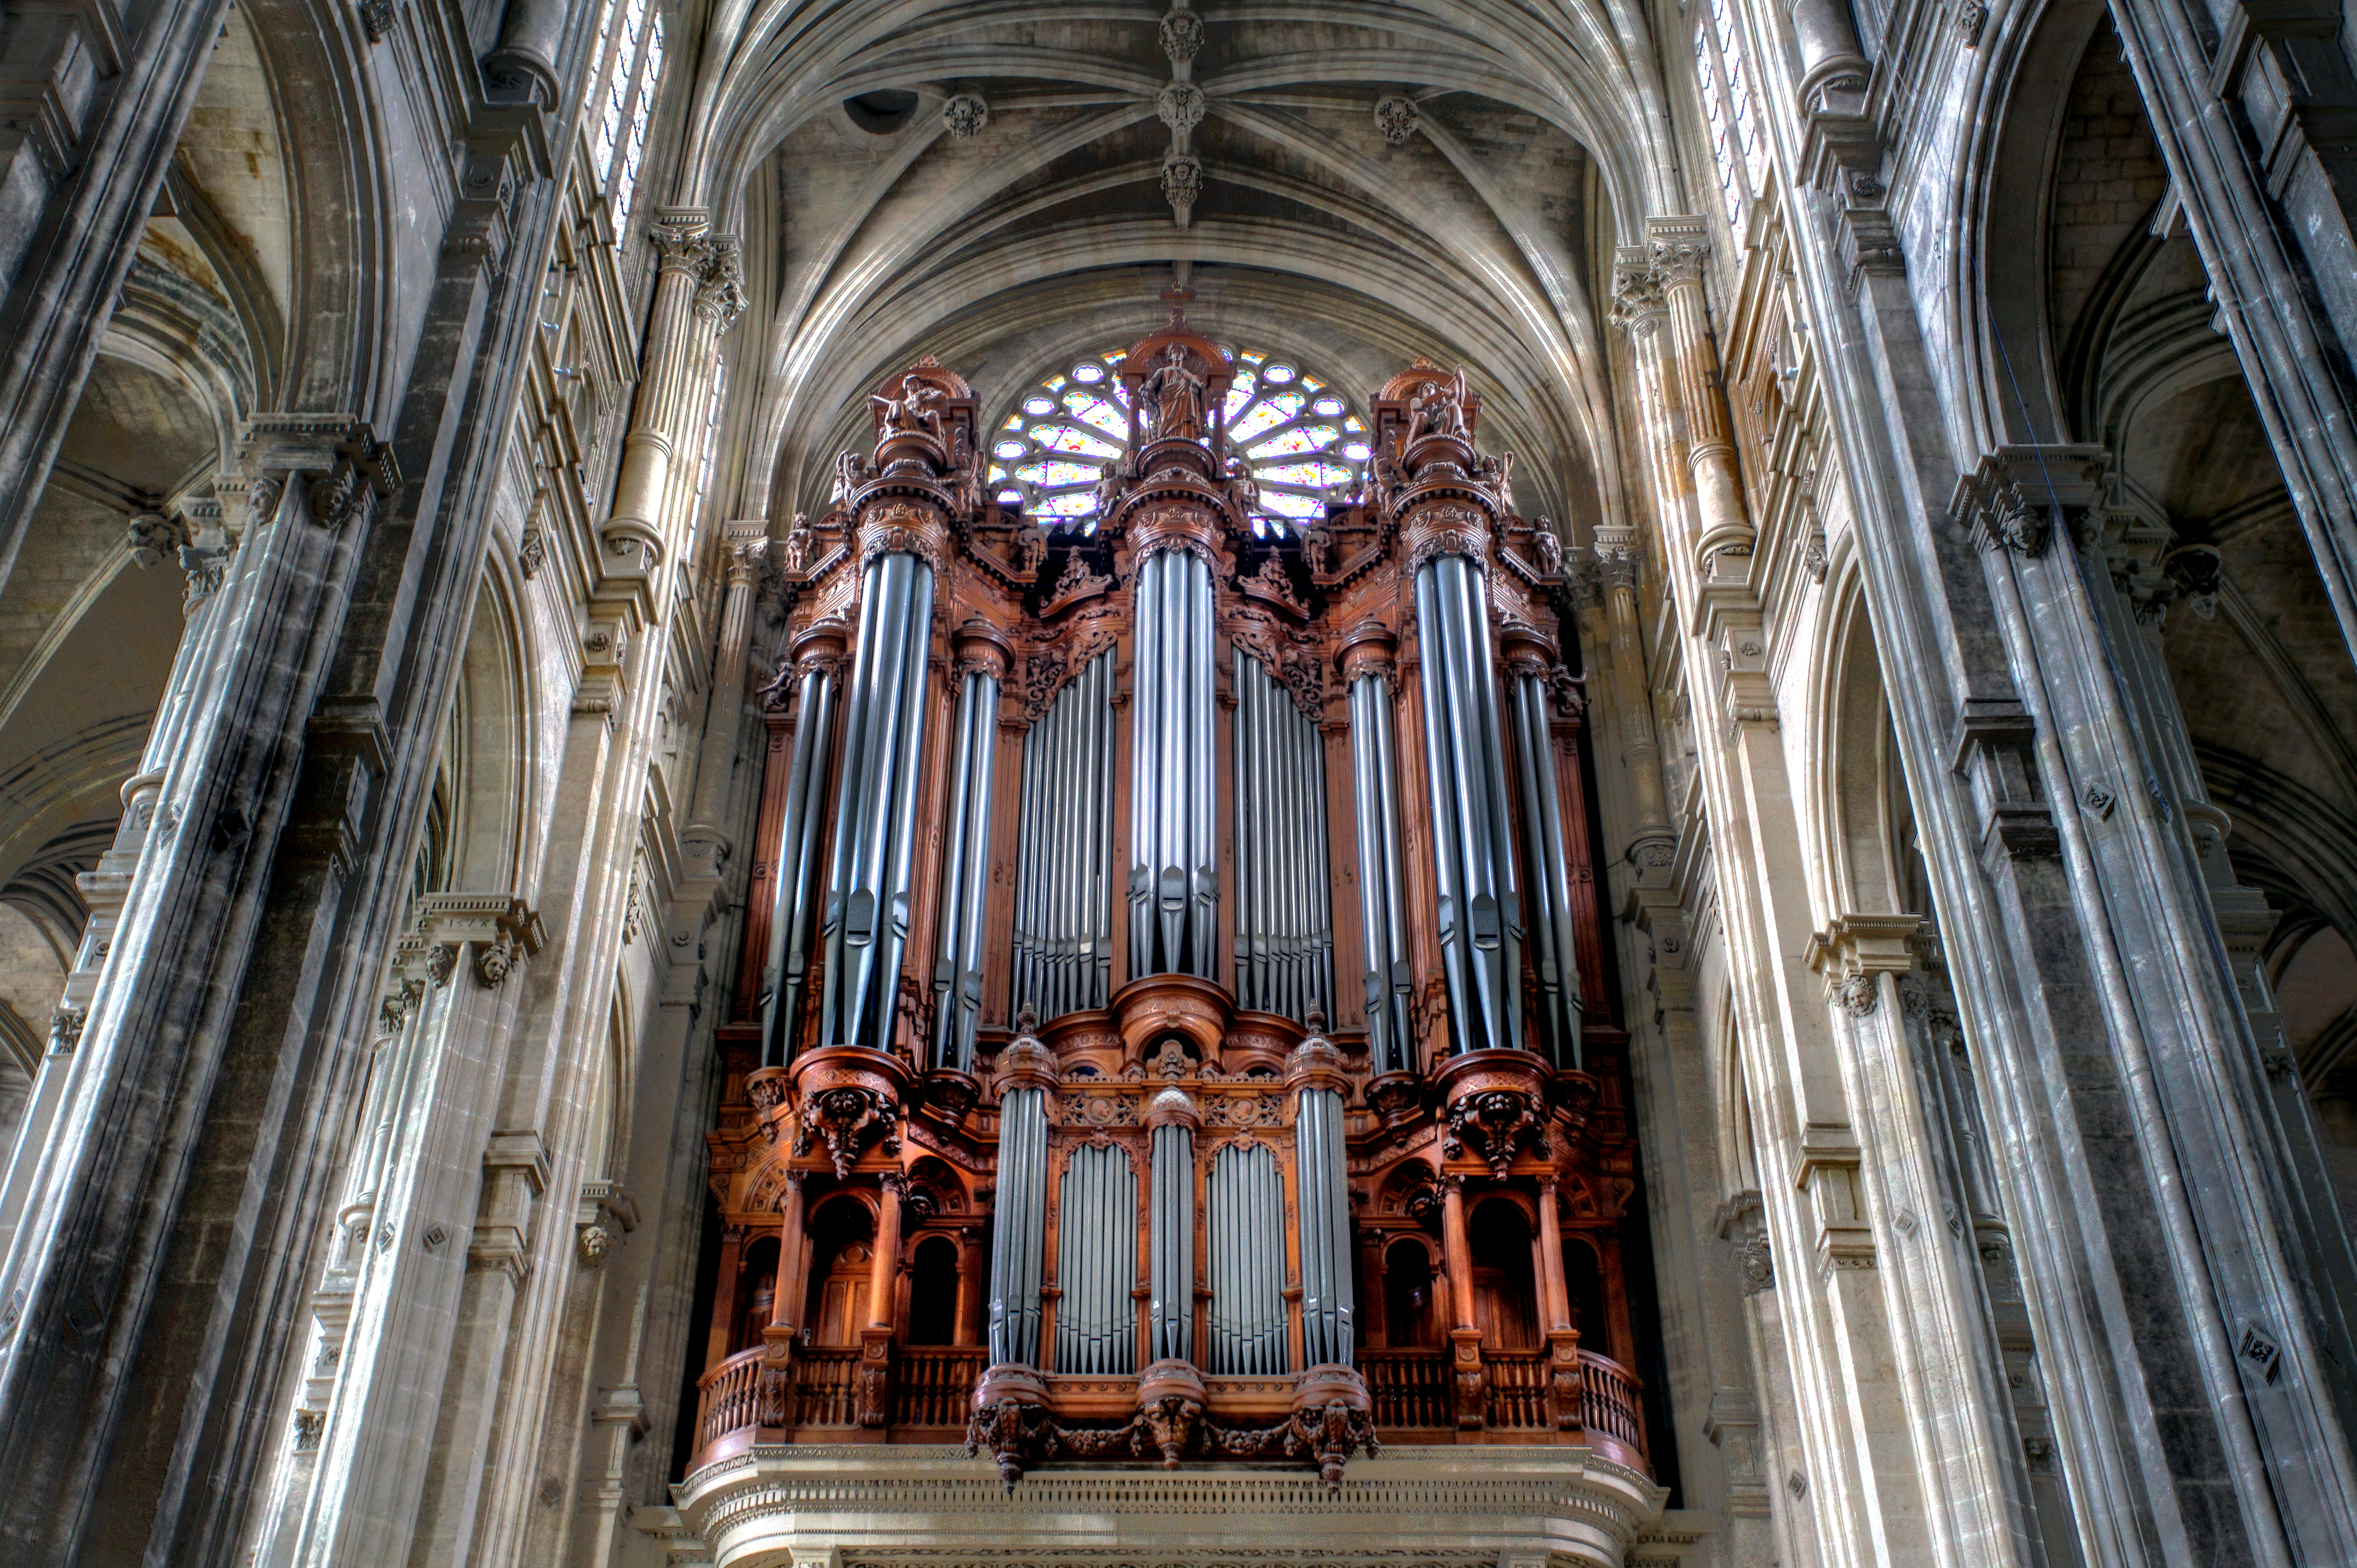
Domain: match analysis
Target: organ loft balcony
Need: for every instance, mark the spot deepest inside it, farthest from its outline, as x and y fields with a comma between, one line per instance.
x=1173, y=1027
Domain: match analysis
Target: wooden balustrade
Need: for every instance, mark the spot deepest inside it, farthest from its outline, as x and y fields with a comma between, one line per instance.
x=1518, y=1389
x=728, y=1396
x=827, y=1387
x=931, y=1385
x=1611, y=1402
x=1410, y=1389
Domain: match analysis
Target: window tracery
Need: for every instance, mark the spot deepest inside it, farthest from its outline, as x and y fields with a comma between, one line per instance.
x=1723, y=77
x=630, y=56
x=1299, y=437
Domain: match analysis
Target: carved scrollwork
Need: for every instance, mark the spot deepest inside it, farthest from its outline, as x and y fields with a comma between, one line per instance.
x=1490, y=1121
x=848, y=1118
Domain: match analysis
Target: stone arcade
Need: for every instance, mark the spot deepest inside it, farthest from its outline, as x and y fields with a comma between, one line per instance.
x=1407, y=783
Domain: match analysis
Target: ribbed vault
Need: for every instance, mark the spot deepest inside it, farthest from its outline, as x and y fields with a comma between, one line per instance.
x=1464, y=222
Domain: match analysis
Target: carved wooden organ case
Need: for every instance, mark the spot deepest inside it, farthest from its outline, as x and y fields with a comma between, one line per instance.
x=1173, y=1021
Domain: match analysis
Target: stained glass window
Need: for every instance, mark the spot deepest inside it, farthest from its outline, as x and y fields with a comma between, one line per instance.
x=1303, y=445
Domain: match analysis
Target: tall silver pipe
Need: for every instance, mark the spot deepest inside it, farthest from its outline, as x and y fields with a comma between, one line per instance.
x=1018, y=1233
x=957, y=982
x=1474, y=859
x=1173, y=880
x=1328, y=1310
x=798, y=859
x=867, y=913
x=1172, y=1300
x=1549, y=894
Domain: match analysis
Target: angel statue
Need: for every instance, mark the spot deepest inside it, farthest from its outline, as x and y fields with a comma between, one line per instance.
x=1175, y=395
x=1439, y=412
x=847, y=472
x=918, y=408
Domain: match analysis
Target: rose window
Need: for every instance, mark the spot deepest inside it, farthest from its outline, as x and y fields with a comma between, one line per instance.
x=1300, y=438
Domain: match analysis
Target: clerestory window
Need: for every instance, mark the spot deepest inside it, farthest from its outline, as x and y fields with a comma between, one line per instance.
x=1731, y=117
x=1300, y=438
x=621, y=97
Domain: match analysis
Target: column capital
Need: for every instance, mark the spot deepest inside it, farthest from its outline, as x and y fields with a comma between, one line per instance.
x=1638, y=300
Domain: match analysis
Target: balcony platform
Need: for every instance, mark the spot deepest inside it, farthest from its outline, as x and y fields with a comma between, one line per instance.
x=929, y=1506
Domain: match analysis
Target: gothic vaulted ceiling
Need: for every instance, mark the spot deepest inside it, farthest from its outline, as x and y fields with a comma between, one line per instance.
x=1348, y=183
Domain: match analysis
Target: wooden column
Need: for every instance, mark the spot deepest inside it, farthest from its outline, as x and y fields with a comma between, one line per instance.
x=1564, y=1396
x=1464, y=1337
x=723, y=1298
x=874, y=1383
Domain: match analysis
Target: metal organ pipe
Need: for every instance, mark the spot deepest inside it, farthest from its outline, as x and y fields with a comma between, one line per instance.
x=1391, y=1042
x=798, y=861
x=1285, y=928
x=1473, y=854
x=1096, y=1266
x=1062, y=951
x=1173, y=883
x=1328, y=1311
x=965, y=872
x=1550, y=891
x=1247, y=1237
x=867, y=899
x=1019, y=1227
x=1172, y=1234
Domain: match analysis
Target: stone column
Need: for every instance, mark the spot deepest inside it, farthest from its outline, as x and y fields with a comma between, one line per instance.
x=2252, y=135
x=406, y=1263
x=706, y=840
x=92, y=112
x=2133, y=849
x=1679, y=247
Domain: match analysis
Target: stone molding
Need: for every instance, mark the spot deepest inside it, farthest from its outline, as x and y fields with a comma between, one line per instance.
x=909, y=1503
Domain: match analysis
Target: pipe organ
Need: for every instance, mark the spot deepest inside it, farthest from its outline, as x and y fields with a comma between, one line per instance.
x=1331, y=1147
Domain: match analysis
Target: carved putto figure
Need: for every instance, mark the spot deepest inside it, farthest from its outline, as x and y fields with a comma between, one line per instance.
x=1175, y=393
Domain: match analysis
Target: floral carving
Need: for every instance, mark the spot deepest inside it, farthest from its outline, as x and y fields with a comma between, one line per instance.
x=1396, y=118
